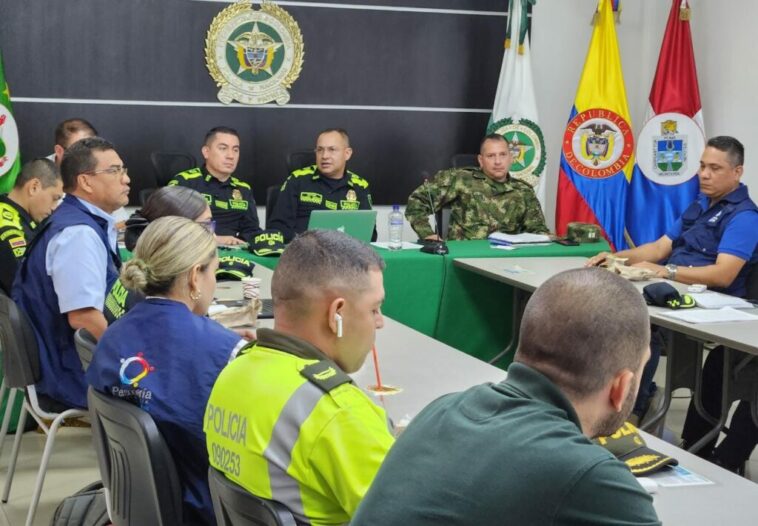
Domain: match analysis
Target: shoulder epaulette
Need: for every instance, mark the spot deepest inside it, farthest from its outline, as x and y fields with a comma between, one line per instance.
x=306, y=170
x=237, y=182
x=358, y=180
x=325, y=375
x=9, y=216
x=192, y=173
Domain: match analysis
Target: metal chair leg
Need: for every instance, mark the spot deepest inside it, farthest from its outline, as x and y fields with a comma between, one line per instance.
x=14, y=453
x=7, y=415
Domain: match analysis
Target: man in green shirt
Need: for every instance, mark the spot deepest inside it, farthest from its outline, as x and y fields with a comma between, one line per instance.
x=521, y=451
x=482, y=200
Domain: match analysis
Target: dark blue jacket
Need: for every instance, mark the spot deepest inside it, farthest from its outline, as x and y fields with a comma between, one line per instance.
x=60, y=367
x=703, y=228
x=165, y=359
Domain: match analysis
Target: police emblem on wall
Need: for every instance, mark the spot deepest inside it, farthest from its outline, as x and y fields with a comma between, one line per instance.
x=254, y=55
x=669, y=148
x=8, y=140
x=598, y=143
x=527, y=147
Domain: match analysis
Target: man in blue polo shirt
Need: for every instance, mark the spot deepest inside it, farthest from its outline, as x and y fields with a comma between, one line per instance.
x=715, y=243
x=71, y=264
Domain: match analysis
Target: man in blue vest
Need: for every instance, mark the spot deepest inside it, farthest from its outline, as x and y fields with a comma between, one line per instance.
x=715, y=243
x=71, y=264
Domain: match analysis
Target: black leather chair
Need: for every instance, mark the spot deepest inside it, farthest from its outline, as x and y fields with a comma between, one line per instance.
x=462, y=160
x=300, y=159
x=165, y=166
x=272, y=196
x=138, y=471
x=235, y=506
x=85, y=346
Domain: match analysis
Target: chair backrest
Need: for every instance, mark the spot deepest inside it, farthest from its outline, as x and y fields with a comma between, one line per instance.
x=752, y=284
x=85, y=346
x=299, y=159
x=19, y=344
x=168, y=164
x=272, y=196
x=462, y=160
x=235, y=506
x=443, y=221
x=135, y=463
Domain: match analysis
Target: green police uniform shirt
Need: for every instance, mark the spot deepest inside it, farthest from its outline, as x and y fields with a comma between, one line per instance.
x=232, y=203
x=16, y=229
x=479, y=205
x=306, y=190
x=287, y=424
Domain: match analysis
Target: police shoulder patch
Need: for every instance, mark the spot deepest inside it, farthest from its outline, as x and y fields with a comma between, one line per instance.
x=358, y=180
x=241, y=184
x=325, y=375
x=306, y=170
x=192, y=173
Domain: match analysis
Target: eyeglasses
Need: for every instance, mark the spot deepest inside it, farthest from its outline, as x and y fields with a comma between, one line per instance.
x=113, y=170
x=209, y=225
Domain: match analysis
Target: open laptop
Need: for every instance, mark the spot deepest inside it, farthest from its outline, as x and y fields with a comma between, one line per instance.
x=356, y=223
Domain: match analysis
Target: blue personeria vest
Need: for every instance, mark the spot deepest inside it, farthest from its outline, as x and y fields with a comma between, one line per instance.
x=702, y=230
x=62, y=377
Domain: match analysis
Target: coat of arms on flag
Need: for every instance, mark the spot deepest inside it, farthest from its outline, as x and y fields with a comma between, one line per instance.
x=664, y=145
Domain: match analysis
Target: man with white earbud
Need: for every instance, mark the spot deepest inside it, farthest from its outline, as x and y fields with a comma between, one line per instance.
x=284, y=419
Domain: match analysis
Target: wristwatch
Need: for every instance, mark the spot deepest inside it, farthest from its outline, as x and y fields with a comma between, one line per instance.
x=671, y=269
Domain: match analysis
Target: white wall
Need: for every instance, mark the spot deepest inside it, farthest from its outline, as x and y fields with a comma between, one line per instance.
x=723, y=40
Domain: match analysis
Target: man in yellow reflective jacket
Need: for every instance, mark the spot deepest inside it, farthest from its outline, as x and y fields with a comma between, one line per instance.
x=284, y=419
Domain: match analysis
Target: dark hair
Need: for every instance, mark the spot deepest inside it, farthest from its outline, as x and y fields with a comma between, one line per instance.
x=491, y=137
x=166, y=201
x=318, y=261
x=733, y=148
x=69, y=127
x=79, y=159
x=581, y=327
x=42, y=169
x=215, y=131
x=341, y=131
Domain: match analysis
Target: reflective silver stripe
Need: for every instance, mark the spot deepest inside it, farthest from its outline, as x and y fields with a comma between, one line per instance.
x=286, y=431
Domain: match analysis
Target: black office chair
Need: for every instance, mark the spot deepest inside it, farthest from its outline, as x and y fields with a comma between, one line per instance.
x=442, y=216
x=464, y=160
x=85, y=346
x=272, y=196
x=165, y=166
x=138, y=471
x=235, y=506
x=300, y=159
x=22, y=371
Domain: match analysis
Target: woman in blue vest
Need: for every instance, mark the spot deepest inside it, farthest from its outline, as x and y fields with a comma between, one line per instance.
x=166, y=201
x=165, y=354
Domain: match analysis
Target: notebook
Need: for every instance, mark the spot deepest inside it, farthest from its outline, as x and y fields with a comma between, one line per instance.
x=356, y=223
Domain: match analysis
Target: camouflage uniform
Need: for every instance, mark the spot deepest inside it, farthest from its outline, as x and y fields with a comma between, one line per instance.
x=479, y=205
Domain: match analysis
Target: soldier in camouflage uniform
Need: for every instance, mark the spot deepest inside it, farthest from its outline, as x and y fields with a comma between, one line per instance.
x=482, y=200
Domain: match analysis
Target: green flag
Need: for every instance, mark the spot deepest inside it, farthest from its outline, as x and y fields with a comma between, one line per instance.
x=10, y=160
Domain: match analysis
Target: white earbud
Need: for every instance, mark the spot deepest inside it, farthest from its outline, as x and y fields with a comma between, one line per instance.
x=338, y=321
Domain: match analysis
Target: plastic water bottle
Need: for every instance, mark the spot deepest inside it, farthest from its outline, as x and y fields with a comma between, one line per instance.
x=396, y=228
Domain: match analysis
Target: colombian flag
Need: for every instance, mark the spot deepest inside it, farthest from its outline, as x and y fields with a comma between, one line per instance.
x=671, y=142
x=597, y=154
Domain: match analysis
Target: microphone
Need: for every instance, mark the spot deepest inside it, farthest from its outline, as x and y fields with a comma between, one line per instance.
x=433, y=247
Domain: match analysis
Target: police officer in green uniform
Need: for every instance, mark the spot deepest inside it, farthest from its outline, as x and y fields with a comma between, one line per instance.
x=482, y=200
x=327, y=185
x=230, y=199
x=36, y=193
x=284, y=419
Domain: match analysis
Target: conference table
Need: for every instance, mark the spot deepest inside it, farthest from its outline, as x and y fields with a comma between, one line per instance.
x=423, y=369
x=683, y=362
x=430, y=294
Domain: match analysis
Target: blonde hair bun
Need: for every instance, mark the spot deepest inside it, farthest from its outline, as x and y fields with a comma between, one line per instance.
x=134, y=274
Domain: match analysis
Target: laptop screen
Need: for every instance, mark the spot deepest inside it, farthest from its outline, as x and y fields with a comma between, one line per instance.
x=356, y=223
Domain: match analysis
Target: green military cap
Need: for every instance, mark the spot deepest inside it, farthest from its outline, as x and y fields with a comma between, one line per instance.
x=267, y=243
x=628, y=446
x=234, y=268
x=584, y=233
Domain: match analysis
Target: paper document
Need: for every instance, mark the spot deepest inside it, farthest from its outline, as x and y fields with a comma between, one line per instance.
x=673, y=476
x=517, y=239
x=710, y=315
x=406, y=245
x=715, y=300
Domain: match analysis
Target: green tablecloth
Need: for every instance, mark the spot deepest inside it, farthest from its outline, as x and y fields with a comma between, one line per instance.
x=433, y=296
